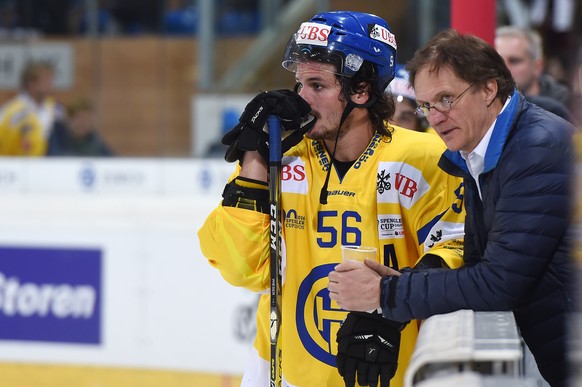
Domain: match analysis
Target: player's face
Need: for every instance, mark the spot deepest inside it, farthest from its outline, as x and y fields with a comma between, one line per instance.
x=465, y=124
x=319, y=86
x=44, y=84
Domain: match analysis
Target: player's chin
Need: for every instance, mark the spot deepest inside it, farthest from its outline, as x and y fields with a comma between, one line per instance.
x=313, y=134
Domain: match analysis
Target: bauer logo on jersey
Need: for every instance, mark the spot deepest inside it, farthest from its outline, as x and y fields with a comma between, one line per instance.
x=50, y=295
x=390, y=227
x=383, y=35
x=293, y=178
x=400, y=183
x=313, y=33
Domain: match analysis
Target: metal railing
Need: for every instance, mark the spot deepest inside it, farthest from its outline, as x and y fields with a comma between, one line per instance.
x=471, y=349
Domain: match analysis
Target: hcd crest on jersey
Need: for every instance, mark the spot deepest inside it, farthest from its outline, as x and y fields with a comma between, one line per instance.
x=317, y=317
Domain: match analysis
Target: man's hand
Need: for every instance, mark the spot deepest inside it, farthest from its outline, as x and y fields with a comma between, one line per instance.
x=356, y=286
x=381, y=269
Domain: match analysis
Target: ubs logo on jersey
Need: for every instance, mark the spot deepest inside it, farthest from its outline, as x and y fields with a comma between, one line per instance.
x=400, y=183
x=405, y=185
x=383, y=182
x=317, y=317
x=293, y=177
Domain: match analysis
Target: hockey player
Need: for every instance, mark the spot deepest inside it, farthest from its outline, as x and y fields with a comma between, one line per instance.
x=27, y=119
x=352, y=180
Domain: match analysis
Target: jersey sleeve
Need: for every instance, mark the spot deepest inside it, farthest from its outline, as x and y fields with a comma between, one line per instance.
x=233, y=241
x=446, y=238
x=439, y=218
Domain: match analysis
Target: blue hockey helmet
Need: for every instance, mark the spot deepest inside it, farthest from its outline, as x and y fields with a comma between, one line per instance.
x=345, y=39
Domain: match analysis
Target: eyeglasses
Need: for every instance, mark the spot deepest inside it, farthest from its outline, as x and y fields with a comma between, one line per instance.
x=443, y=106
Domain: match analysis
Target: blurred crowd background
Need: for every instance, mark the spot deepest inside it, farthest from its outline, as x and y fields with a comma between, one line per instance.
x=164, y=79
x=139, y=66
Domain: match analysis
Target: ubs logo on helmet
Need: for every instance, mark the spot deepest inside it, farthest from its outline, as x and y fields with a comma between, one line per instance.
x=317, y=317
x=382, y=34
x=313, y=33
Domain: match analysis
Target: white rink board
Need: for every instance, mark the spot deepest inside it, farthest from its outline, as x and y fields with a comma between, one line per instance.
x=163, y=306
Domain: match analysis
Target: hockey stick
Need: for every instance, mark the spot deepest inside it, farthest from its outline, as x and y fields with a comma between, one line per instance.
x=275, y=245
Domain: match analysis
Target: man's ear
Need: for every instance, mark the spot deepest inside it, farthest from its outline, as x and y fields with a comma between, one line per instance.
x=490, y=89
x=363, y=94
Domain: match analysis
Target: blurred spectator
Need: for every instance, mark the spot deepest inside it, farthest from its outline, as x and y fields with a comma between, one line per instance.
x=80, y=18
x=522, y=51
x=555, y=21
x=50, y=17
x=404, y=99
x=238, y=17
x=180, y=18
x=76, y=136
x=137, y=16
x=27, y=119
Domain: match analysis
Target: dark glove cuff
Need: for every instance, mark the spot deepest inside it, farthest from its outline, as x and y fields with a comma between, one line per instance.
x=249, y=198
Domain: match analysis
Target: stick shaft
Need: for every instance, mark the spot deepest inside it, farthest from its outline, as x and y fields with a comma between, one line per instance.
x=275, y=247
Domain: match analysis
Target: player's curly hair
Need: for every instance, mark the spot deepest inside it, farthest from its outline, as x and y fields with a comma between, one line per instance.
x=382, y=109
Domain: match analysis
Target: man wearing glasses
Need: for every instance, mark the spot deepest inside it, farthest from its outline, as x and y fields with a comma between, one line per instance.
x=516, y=161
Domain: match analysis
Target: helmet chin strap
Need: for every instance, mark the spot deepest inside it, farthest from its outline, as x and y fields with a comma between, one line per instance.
x=347, y=110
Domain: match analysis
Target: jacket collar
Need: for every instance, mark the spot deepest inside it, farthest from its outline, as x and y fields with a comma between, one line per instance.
x=498, y=137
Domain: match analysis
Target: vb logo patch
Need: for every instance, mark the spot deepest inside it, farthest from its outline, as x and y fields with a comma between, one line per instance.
x=317, y=317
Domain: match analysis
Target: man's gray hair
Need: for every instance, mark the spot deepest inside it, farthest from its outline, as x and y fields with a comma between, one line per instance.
x=533, y=38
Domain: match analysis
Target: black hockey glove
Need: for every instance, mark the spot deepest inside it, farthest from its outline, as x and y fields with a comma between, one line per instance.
x=250, y=133
x=368, y=345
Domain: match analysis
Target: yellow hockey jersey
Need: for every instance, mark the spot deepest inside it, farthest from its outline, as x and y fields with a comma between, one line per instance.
x=394, y=197
x=24, y=126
